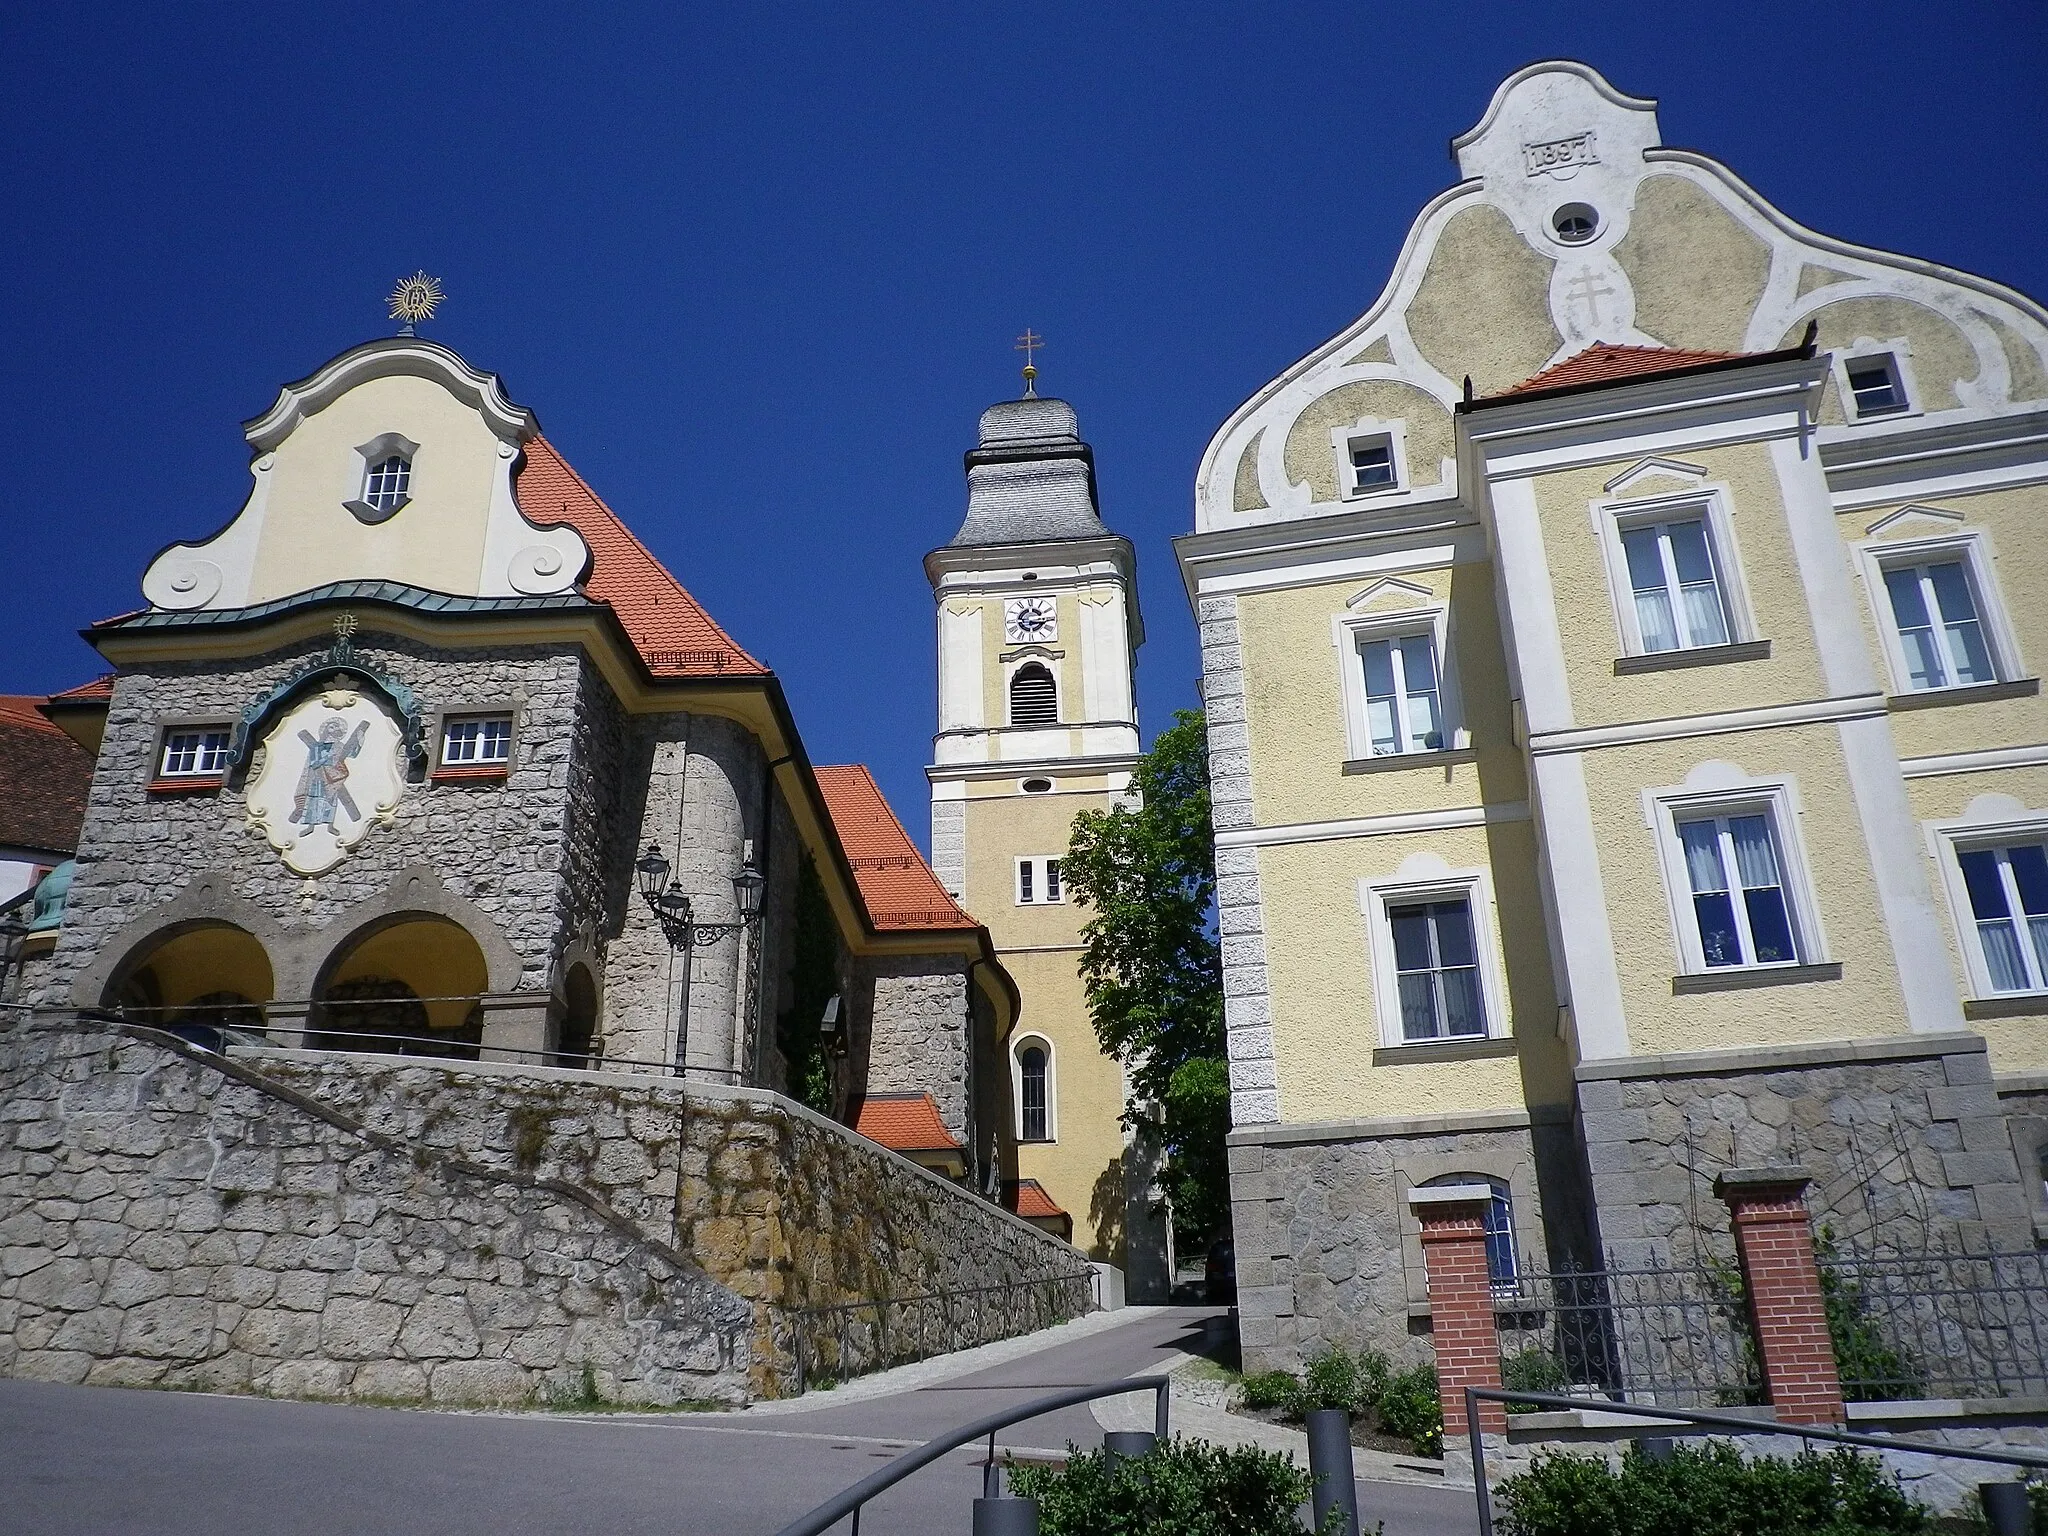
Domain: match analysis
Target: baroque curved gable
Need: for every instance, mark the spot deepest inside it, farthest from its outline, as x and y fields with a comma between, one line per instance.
x=1681, y=253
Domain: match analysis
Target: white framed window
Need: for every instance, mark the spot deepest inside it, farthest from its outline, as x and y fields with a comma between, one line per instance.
x=1939, y=614
x=1031, y=1060
x=1370, y=458
x=1038, y=882
x=1875, y=380
x=1034, y=696
x=1502, y=1268
x=1400, y=695
x=2006, y=884
x=1675, y=574
x=388, y=483
x=384, y=475
x=476, y=741
x=1741, y=896
x=194, y=752
x=1434, y=958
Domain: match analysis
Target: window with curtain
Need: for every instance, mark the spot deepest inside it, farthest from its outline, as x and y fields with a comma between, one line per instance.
x=1436, y=968
x=1739, y=905
x=1934, y=614
x=1501, y=1265
x=1403, y=699
x=2008, y=889
x=1034, y=700
x=1677, y=589
x=1032, y=1117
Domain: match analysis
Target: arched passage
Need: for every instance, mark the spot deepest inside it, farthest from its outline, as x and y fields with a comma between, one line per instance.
x=579, y=1019
x=194, y=979
x=412, y=986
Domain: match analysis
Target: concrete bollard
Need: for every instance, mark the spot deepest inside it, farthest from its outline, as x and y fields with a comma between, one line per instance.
x=1130, y=1443
x=2006, y=1507
x=1329, y=1463
x=1006, y=1517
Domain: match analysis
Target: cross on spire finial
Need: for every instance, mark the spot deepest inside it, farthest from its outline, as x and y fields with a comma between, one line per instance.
x=1028, y=344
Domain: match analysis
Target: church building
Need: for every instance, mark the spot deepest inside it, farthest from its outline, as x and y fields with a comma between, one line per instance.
x=424, y=752
x=1621, y=656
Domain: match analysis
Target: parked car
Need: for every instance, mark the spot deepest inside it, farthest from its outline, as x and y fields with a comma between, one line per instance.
x=1219, y=1276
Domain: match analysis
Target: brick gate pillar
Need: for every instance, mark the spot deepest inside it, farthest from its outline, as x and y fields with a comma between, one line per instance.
x=1774, y=1238
x=1453, y=1218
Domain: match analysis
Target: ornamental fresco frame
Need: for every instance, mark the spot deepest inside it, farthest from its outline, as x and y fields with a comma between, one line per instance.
x=341, y=657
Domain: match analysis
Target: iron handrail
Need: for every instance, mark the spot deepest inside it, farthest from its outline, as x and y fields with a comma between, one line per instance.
x=848, y=1501
x=1748, y=1424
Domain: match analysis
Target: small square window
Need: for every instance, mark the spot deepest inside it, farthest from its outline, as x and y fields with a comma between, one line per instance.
x=1038, y=882
x=198, y=753
x=1874, y=385
x=478, y=741
x=1372, y=464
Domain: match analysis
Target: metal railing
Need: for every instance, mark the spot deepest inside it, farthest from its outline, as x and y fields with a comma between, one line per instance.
x=1746, y=1424
x=1678, y=1337
x=841, y=1340
x=851, y=1500
x=1938, y=1324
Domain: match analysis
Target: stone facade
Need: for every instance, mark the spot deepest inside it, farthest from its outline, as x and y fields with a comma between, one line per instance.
x=1327, y=1249
x=314, y=1224
x=916, y=1008
x=1904, y=1137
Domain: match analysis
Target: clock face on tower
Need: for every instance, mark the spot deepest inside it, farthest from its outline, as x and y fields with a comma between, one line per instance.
x=1030, y=618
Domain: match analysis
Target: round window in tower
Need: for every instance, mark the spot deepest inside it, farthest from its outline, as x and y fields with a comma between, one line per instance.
x=1036, y=786
x=1575, y=223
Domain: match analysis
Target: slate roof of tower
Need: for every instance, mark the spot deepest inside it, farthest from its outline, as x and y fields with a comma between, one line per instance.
x=1030, y=478
x=899, y=888
x=669, y=628
x=904, y=1122
x=44, y=779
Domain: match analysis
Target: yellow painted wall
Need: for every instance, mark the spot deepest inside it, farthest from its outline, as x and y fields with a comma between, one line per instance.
x=1326, y=1027
x=1294, y=704
x=211, y=959
x=437, y=541
x=436, y=958
x=1696, y=269
x=1866, y=1001
x=1591, y=631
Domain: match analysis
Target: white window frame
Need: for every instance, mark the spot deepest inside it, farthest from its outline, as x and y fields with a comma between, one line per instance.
x=1777, y=800
x=1341, y=438
x=477, y=717
x=1900, y=352
x=1710, y=504
x=1037, y=864
x=1874, y=556
x=367, y=458
x=1376, y=895
x=1052, y=1096
x=1948, y=839
x=201, y=729
x=1350, y=633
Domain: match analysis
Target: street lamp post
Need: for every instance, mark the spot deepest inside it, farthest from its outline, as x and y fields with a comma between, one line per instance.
x=671, y=908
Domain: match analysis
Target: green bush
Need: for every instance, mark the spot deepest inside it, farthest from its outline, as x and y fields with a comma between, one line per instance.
x=1534, y=1369
x=1271, y=1389
x=1708, y=1490
x=1185, y=1487
x=1409, y=1407
x=1336, y=1378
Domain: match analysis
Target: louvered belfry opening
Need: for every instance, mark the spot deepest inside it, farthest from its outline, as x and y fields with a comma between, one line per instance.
x=1033, y=699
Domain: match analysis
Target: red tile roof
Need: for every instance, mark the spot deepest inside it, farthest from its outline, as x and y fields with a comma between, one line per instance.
x=904, y=1122
x=1027, y=1197
x=670, y=629
x=44, y=779
x=1606, y=362
x=898, y=886
x=96, y=691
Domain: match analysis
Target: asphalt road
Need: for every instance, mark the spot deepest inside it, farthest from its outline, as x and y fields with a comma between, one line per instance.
x=109, y=1462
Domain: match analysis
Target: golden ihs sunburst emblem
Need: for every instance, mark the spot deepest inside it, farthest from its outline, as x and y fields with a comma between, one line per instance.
x=415, y=298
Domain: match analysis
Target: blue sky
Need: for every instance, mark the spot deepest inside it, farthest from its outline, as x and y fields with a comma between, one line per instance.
x=758, y=267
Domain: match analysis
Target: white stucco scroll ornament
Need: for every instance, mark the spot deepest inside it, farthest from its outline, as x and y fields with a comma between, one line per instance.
x=333, y=767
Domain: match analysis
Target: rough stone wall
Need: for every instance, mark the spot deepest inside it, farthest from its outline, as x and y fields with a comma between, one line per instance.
x=126, y=1166
x=1326, y=1252
x=598, y=854
x=500, y=846
x=1904, y=1139
x=918, y=1035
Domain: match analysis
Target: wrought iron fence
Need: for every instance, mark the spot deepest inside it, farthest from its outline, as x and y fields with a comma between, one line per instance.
x=1939, y=1323
x=1674, y=1336
x=847, y=1339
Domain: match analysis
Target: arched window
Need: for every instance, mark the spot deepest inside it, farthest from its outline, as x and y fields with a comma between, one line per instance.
x=1034, y=1091
x=1500, y=1224
x=387, y=483
x=1034, y=700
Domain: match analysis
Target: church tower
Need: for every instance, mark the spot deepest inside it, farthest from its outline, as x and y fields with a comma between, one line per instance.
x=1038, y=629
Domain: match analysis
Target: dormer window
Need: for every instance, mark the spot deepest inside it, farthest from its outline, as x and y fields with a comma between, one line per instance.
x=1368, y=455
x=1372, y=464
x=1874, y=385
x=386, y=485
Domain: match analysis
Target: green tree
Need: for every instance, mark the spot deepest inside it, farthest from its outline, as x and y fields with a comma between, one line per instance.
x=1152, y=966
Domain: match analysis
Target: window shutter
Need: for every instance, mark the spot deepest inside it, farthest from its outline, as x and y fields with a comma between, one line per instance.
x=1033, y=698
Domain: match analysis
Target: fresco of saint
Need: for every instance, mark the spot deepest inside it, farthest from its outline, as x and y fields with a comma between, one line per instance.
x=323, y=782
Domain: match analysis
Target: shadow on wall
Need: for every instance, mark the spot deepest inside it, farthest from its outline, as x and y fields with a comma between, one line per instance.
x=1107, y=1203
